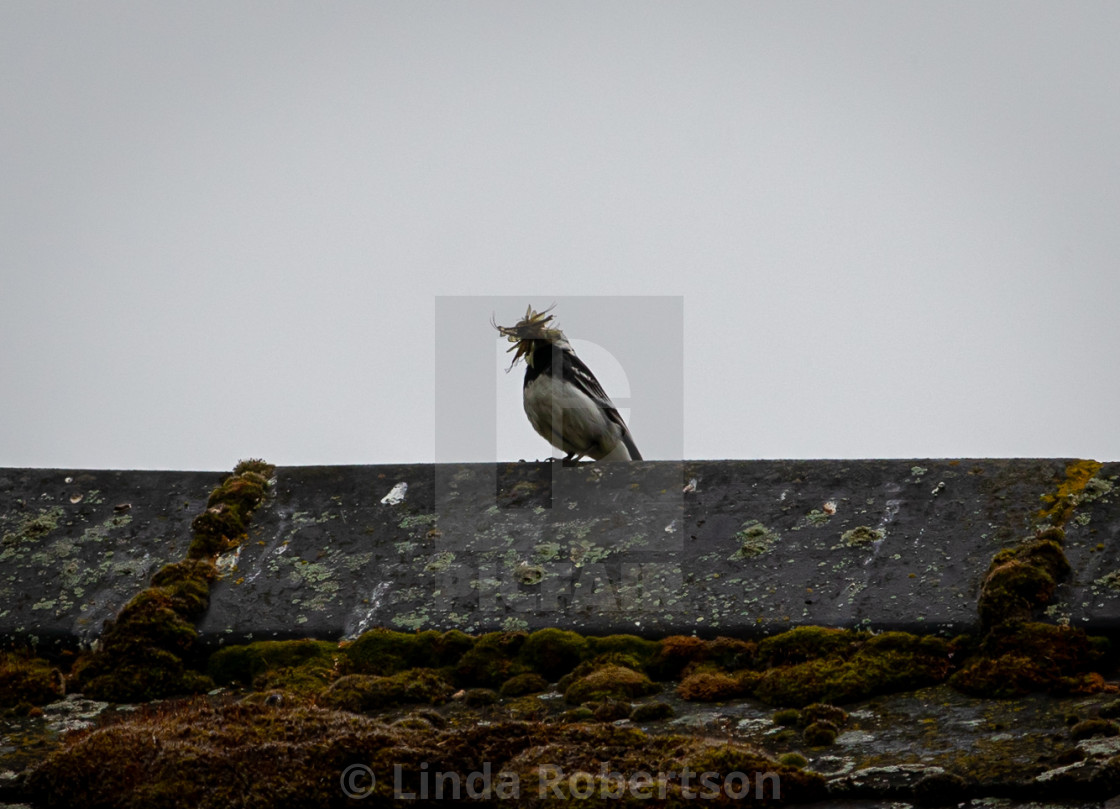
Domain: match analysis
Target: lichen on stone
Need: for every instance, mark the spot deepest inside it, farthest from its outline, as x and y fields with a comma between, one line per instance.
x=861, y=536
x=754, y=539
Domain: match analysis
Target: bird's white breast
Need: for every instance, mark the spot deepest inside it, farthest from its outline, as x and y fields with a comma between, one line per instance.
x=554, y=407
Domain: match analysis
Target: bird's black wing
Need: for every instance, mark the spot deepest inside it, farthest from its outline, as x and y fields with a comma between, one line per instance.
x=580, y=375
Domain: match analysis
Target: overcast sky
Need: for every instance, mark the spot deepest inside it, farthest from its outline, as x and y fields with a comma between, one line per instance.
x=225, y=228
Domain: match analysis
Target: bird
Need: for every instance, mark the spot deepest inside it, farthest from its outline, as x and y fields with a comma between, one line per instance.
x=564, y=401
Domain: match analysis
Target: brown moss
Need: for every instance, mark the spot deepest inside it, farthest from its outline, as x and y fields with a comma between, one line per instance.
x=711, y=686
x=675, y=653
x=1018, y=658
x=195, y=755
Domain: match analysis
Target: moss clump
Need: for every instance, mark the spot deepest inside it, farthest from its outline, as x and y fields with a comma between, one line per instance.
x=141, y=654
x=364, y=692
x=823, y=712
x=793, y=760
x=575, y=715
x=1021, y=580
x=27, y=681
x=637, y=651
x=553, y=652
x=610, y=710
x=651, y=712
x=893, y=661
x=149, y=650
x=1019, y=658
x=730, y=653
x=492, y=660
x=787, y=717
x=479, y=697
x=522, y=684
x=245, y=663
x=676, y=653
x=712, y=686
x=610, y=682
x=256, y=466
x=384, y=651
x=806, y=643
x=226, y=519
x=1094, y=727
x=862, y=536
x=820, y=734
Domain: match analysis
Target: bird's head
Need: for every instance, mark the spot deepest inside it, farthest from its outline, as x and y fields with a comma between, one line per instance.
x=531, y=329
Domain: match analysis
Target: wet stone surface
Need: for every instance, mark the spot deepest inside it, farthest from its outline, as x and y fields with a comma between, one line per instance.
x=716, y=547
x=75, y=546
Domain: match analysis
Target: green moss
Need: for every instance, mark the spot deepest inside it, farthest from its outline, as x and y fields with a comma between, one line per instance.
x=492, y=660
x=384, y=651
x=245, y=663
x=28, y=680
x=787, y=717
x=216, y=530
x=553, y=652
x=651, y=712
x=580, y=714
x=255, y=466
x=610, y=710
x=522, y=684
x=793, y=760
x=365, y=692
x=610, y=682
x=478, y=697
x=806, y=643
x=1021, y=580
x=143, y=653
x=730, y=653
x=630, y=647
x=820, y=734
x=1094, y=727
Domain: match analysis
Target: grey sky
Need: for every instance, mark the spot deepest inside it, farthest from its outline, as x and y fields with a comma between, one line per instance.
x=224, y=227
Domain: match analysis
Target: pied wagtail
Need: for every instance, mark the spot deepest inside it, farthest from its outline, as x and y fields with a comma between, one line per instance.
x=564, y=401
